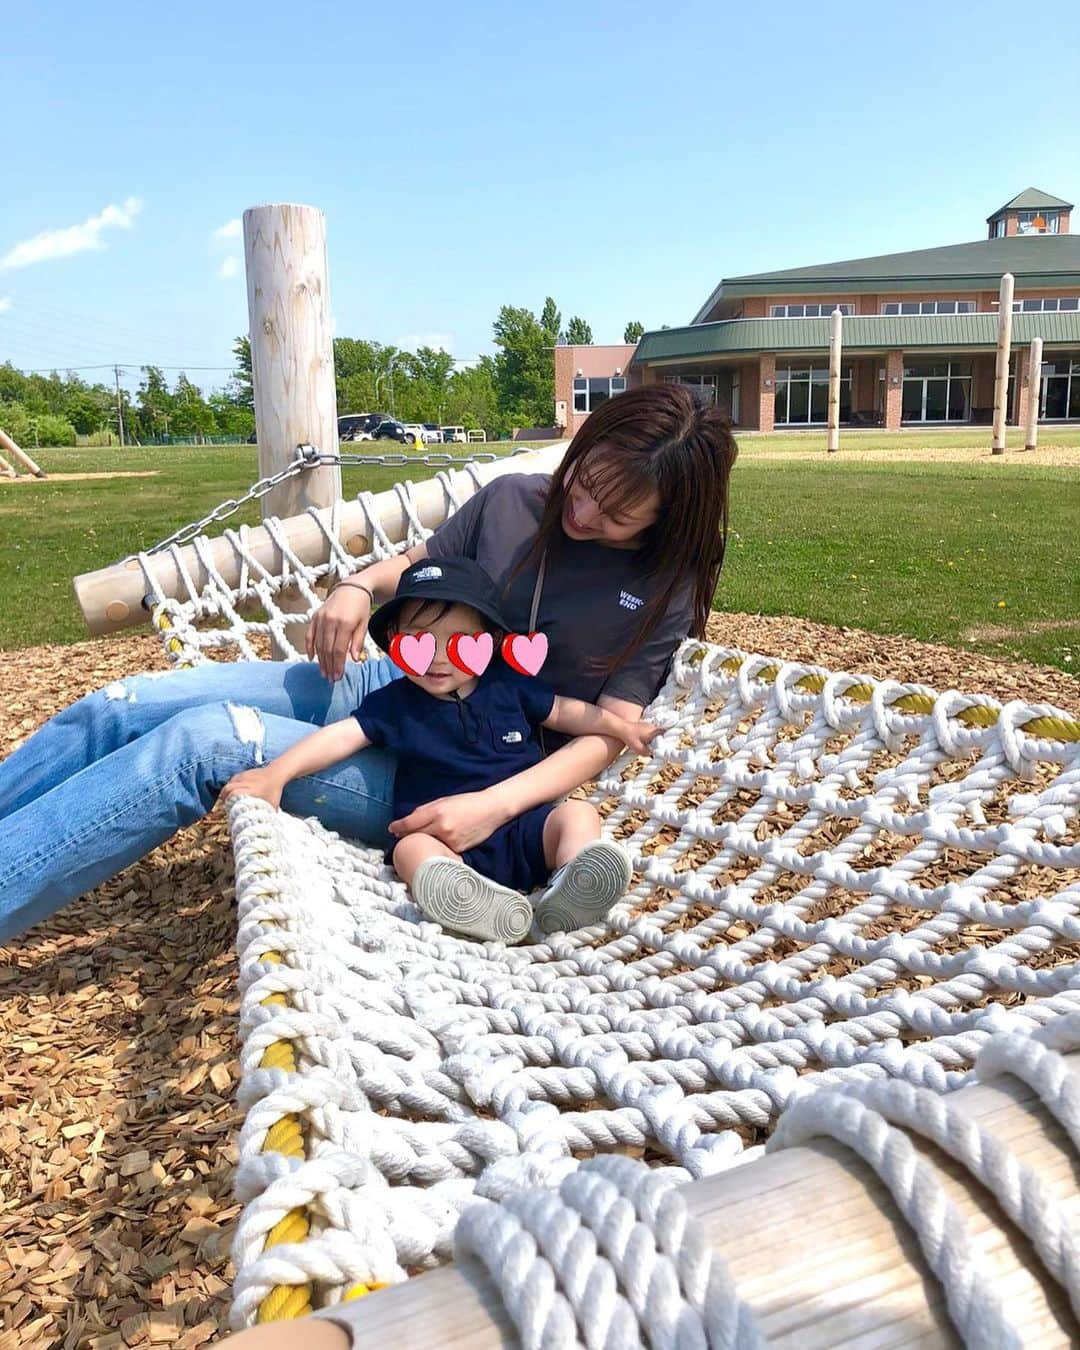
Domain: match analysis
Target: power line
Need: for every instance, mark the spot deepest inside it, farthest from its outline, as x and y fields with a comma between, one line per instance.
x=121, y=365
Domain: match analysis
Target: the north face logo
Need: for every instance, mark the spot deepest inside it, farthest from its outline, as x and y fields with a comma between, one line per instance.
x=512, y=737
x=428, y=574
x=629, y=601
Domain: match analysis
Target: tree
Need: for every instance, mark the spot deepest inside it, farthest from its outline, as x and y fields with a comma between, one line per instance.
x=241, y=391
x=633, y=332
x=85, y=412
x=550, y=321
x=231, y=420
x=430, y=370
x=191, y=416
x=524, y=371
x=472, y=399
x=578, y=333
x=155, y=402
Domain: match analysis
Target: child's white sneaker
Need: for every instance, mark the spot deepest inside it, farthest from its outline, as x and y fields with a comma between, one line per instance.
x=582, y=891
x=453, y=894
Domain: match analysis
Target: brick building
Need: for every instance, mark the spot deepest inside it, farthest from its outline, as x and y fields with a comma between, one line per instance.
x=919, y=335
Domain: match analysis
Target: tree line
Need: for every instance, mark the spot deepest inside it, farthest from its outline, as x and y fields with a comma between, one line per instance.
x=513, y=388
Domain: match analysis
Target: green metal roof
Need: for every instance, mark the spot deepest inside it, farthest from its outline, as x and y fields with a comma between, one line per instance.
x=862, y=332
x=1042, y=259
x=1031, y=199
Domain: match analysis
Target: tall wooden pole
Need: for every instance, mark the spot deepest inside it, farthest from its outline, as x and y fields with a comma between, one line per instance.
x=836, y=325
x=292, y=359
x=1001, y=369
x=1031, y=436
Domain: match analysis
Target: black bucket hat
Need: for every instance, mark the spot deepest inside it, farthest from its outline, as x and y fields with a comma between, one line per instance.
x=459, y=580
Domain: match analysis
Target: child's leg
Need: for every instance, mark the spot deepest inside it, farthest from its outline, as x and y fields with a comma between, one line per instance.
x=414, y=849
x=567, y=830
x=592, y=873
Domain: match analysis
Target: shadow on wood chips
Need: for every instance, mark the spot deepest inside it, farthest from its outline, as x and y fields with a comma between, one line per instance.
x=118, y=1019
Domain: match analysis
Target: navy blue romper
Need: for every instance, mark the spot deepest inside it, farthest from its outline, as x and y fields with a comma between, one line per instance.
x=448, y=746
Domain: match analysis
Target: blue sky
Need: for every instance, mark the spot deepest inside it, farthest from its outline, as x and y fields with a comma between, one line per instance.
x=621, y=157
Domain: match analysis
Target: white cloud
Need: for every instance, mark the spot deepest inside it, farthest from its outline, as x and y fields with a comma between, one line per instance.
x=437, y=341
x=5, y=303
x=232, y=229
x=229, y=268
x=62, y=243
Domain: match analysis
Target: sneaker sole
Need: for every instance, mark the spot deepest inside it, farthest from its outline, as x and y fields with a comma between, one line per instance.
x=591, y=884
x=454, y=895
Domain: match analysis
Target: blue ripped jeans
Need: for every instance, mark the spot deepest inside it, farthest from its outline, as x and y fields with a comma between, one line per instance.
x=121, y=770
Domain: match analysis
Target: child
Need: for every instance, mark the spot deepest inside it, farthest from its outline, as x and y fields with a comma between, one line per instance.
x=458, y=731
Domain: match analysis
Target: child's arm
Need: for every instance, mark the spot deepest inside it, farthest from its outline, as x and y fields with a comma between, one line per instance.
x=572, y=717
x=329, y=745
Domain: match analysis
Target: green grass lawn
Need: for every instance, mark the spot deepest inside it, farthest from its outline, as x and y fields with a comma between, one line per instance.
x=933, y=550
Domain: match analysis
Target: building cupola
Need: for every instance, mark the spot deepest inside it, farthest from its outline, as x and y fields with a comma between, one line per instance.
x=1032, y=212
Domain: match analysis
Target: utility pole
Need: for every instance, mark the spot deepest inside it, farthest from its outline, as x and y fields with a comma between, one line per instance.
x=119, y=406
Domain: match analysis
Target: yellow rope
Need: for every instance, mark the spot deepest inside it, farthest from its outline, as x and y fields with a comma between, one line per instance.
x=285, y=1136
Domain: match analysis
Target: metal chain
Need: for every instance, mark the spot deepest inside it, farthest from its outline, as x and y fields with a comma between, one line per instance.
x=306, y=457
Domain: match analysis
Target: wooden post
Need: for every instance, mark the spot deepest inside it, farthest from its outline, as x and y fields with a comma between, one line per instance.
x=1031, y=437
x=836, y=325
x=6, y=469
x=111, y=598
x=20, y=456
x=814, y=1244
x=1001, y=369
x=292, y=360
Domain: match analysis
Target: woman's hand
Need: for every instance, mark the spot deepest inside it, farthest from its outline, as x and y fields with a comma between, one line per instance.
x=637, y=735
x=337, y=630
x=254, y=783
x=461, y=822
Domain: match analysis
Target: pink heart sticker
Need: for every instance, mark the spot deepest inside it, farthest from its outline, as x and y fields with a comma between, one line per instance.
x=525, y=653
x=471, y=653
x=413, y=653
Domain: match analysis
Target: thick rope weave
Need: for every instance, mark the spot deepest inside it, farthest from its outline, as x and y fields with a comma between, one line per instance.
x=609, y=1256
x=837, y=882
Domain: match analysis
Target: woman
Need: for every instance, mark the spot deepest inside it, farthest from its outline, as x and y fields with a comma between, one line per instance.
x=615, y=558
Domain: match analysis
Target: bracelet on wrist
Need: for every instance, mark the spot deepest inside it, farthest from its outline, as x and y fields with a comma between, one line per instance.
x=358, y=586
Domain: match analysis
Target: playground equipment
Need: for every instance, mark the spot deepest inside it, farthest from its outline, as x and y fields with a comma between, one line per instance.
x=19, y=456
x=842, y=885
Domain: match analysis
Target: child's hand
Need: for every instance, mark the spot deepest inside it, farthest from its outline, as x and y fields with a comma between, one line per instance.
x=254, y=783
x=637, y=735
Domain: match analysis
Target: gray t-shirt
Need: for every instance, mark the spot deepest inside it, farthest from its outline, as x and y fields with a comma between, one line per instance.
x=593, y=596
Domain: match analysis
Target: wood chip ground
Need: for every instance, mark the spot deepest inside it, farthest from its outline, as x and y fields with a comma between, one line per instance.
x=118, y=1025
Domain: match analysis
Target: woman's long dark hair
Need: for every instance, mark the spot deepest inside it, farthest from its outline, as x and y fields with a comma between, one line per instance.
x=655, y=437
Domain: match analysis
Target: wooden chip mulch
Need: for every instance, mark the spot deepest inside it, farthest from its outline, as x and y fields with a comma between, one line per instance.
x=118, y=1026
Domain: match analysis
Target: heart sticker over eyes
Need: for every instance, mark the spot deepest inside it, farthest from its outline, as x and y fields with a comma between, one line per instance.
x=471, y=653
x=526, y=653
x=413, y=653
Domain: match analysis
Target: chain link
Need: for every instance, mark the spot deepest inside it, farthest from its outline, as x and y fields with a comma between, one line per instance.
x=306, y=457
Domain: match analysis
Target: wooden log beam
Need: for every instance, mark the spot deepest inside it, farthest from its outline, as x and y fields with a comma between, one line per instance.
x=111, y=598
x=1001, y=366
x=836, y=327
x=1031, y=434
x=815, y=1245
x=6, y=469
x=292, y=363
x=19, y=456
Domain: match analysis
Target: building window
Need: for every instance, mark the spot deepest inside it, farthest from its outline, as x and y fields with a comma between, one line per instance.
x=928, y=307
x=1037, y=222
x=592, y=390
x=814, y=311
x=702, y=387
x=802, y=394
x=1060, y=400
x=1048, y=305
x=998, y=229
x=937, y=391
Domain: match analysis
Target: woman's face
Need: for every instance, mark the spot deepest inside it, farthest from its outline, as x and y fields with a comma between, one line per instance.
x=584, y=516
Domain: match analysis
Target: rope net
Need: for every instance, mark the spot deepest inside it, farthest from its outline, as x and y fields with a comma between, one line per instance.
x=838, y=881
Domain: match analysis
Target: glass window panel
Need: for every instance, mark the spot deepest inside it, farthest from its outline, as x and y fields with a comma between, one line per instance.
x=819, y=402
x=580, y=384
x=912, y=405
x=1057, y=396
x=909, y=307
x=890, y=307
x=965, y=306
x=1074, y=398
x=798, y=402
x=819, y=374
x=780, y=405
x=581, y=402
x=795, y=311
x=1069, y=302
x=776, y=311
x=1032, y=306
x=936, y=400
x=959, y=368
x=959, y=400
x=618, y=384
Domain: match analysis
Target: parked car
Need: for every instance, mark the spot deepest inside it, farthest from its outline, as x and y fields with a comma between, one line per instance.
x=414, y=432
x=454, y=436
x=432, y=433
x=359, y=426
x=390, y=429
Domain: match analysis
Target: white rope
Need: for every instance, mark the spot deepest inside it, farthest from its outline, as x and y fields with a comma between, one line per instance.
x=828, y=893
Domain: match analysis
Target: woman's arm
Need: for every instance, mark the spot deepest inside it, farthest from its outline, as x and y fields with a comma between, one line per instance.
x=572, y=717
x=329, y=745
x=467, y=820
x=338, y=627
